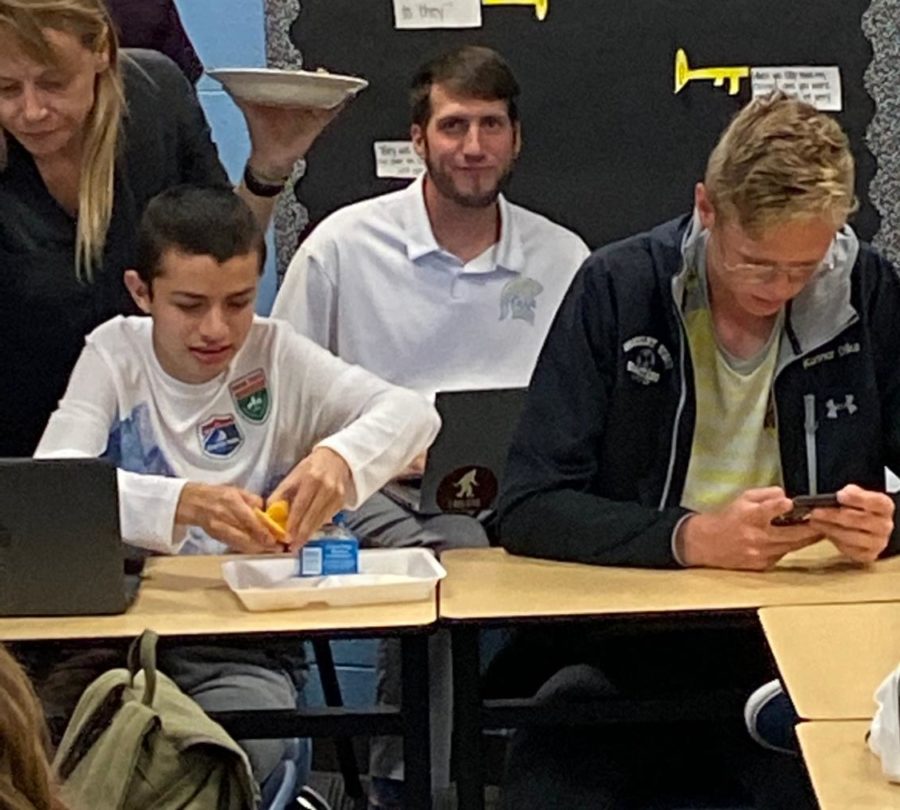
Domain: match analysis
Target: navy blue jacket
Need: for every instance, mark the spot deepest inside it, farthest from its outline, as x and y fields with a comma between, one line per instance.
x=597, y=467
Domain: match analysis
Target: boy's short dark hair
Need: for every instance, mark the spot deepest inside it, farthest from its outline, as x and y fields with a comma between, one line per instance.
x=473, y=71
x=199, y=220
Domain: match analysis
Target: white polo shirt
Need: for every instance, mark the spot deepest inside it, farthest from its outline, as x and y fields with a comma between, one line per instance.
x=372, y=285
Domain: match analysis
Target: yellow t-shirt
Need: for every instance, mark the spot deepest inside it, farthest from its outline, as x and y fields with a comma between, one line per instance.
x=735, y=444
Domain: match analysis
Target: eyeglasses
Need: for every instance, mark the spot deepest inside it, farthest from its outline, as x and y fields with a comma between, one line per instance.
x=753, y=273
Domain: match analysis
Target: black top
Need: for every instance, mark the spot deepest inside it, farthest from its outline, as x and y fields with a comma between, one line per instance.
x=155, y=24
x=45, y=311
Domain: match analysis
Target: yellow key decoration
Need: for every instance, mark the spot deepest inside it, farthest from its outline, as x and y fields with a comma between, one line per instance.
x=717, y=75
x=540, y=6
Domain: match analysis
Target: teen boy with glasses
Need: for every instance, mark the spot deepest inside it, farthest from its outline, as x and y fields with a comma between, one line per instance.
x=696, y=378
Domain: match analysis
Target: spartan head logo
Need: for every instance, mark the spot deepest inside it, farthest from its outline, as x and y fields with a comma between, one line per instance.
x=518, y=299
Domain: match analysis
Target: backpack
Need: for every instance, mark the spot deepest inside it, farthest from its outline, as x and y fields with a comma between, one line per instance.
x=136, y=741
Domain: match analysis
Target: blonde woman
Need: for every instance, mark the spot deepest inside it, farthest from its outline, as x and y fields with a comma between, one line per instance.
x=88, y=134
x=25, y=779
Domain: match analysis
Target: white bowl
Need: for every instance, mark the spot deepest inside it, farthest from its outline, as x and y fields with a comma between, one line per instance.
x=288, y=88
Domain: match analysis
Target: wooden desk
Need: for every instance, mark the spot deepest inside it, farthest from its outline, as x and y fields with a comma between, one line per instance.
x=832, y=657
x=844, y=773
x=187, y=597
x=484, y=584
x=489, y=586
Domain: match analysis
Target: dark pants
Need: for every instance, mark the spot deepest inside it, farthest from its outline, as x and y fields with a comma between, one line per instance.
x=713, y=762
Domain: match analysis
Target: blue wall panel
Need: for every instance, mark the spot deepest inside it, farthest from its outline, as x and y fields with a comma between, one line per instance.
x=229, y=33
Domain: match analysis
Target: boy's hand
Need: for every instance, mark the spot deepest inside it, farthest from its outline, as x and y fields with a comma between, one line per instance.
x=225, y=513
x=861, y=526
x=316, y=489
x=740, y=536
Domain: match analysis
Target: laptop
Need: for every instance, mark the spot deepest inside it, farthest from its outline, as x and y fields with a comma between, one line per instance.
x=60, y=546
x=465, y=464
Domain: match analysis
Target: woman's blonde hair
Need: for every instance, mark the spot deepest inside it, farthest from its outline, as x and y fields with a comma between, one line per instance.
x=26, y=782
x=781, y=159
x=90, y=22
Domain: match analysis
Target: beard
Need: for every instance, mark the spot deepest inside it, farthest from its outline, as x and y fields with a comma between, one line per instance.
x=444, y=183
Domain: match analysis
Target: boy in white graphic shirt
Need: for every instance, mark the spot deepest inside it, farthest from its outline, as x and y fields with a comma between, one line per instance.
x=209, y=412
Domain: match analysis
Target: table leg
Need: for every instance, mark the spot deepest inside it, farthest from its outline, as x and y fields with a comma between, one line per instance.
x=331, y=689
x=416, y=721
x=467, y=742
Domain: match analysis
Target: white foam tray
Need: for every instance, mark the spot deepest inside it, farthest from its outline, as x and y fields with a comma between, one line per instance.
x=385, y=575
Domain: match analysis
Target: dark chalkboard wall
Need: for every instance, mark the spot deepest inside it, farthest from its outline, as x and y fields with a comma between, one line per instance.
x=609, y=149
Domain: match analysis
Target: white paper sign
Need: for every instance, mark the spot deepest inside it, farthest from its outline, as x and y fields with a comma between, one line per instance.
x=397, y=159
x=819, y=86
x=411, y=14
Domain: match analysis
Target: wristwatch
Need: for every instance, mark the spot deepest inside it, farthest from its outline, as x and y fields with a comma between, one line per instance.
x=262, y=187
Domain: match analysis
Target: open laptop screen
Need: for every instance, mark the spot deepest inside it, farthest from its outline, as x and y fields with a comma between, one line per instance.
x=60, y=547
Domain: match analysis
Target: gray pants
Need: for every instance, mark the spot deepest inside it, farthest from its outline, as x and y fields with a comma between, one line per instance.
x=219, y=681
x=217, y=678
x=382, y=523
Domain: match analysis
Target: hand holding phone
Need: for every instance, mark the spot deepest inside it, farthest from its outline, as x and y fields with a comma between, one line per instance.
x=803, y=505
x=863, y=525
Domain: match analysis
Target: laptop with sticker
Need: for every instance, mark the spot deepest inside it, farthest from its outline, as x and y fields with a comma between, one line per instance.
x=465, y=464
x=61, y=551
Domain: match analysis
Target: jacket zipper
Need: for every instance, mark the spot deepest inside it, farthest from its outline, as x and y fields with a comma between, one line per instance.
x=809, y=427
x=678, y=412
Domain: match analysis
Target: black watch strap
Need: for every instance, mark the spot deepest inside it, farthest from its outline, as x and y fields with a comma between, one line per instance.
x=261, y=188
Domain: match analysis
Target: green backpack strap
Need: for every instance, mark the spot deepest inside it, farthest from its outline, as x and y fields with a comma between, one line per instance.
x=142, y=656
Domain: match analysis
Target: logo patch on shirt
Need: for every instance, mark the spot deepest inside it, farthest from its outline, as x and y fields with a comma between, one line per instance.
x=220, y=436
x=835, y=408
x=251, y=395
x=646, y=358
x=518, y=299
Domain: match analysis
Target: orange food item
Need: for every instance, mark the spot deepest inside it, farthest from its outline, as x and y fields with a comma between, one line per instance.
x=279, y=511
x=275, y=519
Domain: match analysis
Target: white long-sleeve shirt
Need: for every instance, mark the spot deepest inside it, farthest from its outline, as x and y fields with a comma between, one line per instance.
x=281, y=397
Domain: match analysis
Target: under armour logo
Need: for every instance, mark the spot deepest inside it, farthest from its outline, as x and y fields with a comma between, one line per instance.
x=847, y=405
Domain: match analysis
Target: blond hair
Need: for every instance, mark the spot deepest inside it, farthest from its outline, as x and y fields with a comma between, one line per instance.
x=90, y=22
x=779, y=160
x=26, y=782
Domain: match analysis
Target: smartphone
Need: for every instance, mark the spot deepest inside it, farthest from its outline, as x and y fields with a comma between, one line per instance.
x=803, y=505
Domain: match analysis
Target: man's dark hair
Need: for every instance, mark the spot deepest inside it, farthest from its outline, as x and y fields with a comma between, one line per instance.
x=472, y=71
x=199, y=220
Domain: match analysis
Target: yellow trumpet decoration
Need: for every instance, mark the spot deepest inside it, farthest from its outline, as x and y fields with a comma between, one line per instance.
x=540, y=6
x=718, y=75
